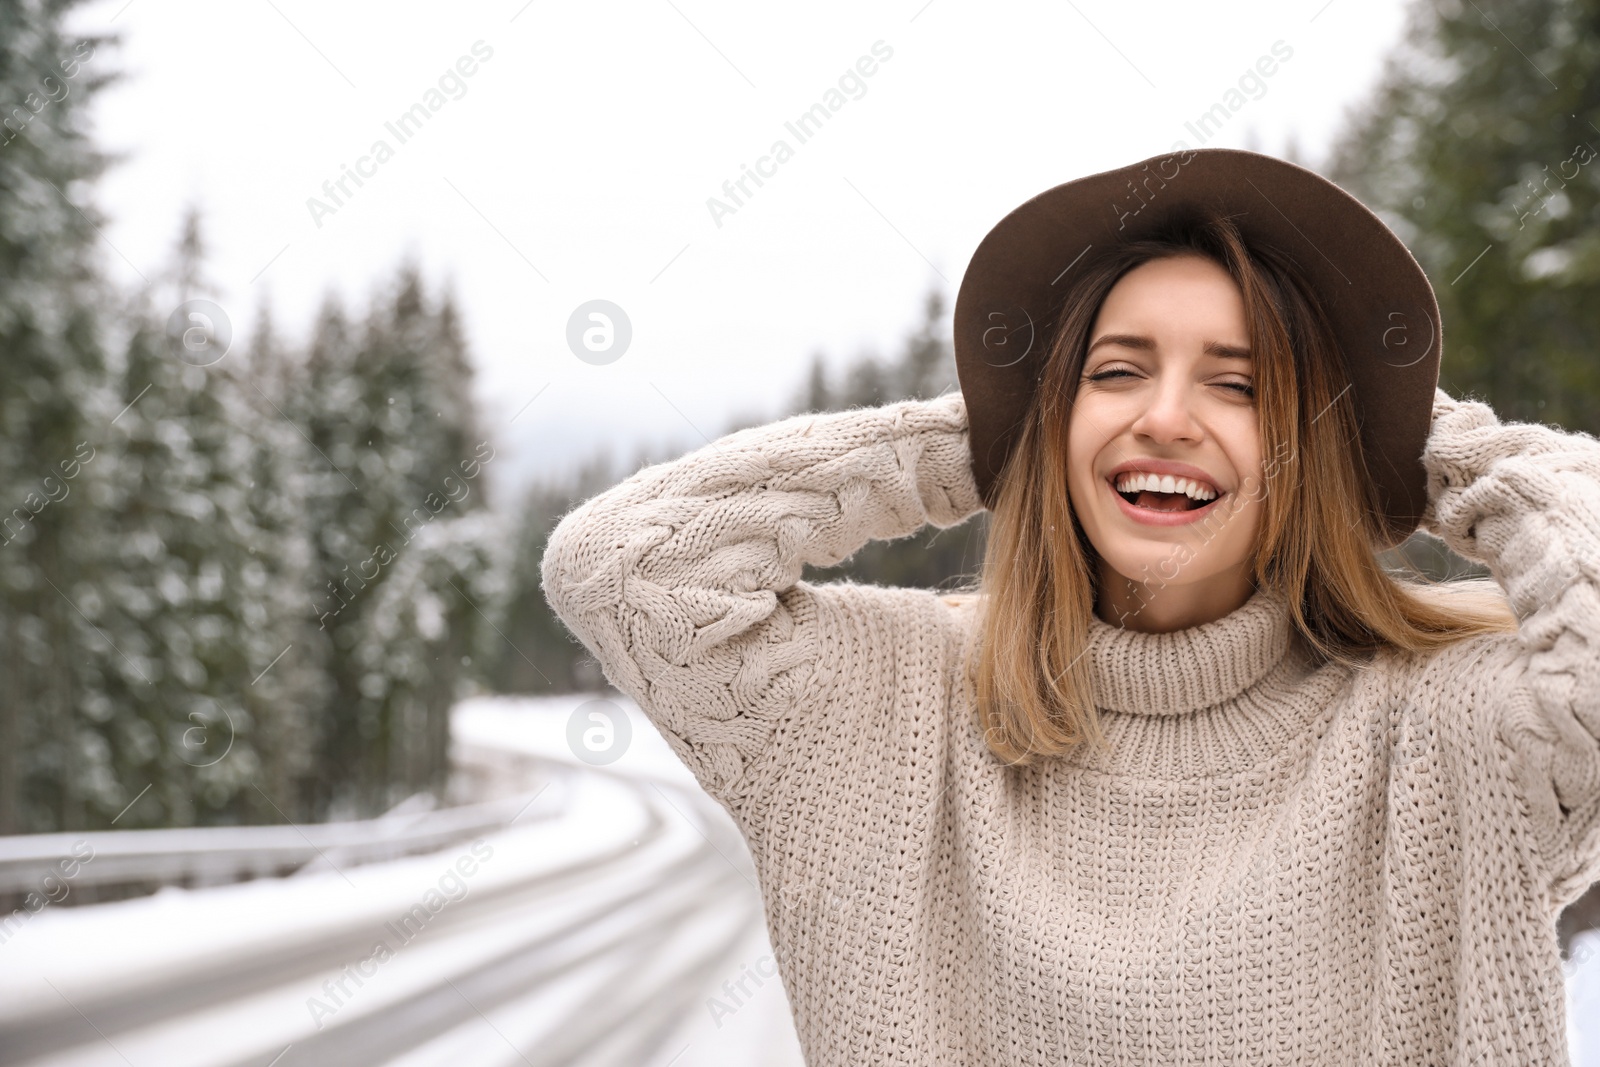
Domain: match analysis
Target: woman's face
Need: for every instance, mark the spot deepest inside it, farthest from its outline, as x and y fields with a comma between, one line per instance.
x=1166, y=392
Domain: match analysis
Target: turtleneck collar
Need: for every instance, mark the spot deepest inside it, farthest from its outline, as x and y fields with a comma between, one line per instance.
x=1186, y=670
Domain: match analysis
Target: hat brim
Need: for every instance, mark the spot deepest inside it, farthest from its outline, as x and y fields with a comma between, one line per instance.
x=1382, y=308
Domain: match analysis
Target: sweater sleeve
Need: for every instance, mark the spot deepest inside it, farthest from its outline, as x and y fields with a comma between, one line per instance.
x=1524, y=500
x=683, y=579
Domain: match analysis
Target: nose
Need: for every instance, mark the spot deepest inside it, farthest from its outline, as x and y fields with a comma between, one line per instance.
x=1169, y=415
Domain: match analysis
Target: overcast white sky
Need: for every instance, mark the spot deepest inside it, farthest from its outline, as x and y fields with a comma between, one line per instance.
x=576, y=163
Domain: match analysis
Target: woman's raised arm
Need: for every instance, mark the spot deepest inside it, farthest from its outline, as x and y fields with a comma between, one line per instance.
x=1524, y=499
x=683, y=579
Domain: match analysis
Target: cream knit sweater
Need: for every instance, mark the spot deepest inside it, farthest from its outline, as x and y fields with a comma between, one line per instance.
x=1274, y=865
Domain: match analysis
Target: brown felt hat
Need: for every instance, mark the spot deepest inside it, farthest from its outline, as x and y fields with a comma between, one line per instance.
x=1384, y=314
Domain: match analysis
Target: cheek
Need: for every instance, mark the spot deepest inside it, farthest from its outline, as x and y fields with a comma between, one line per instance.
x=1083, y=446
x=1080, y=478
x=1238, y=534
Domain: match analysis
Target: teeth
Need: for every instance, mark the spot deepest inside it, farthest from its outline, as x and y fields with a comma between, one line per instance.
x=1134, y=481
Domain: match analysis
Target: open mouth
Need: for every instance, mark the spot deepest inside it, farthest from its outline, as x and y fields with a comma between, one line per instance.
x=1162, y=501
x=1164, y=493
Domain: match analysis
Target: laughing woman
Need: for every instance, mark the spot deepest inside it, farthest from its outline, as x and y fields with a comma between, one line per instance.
x=1189, y=776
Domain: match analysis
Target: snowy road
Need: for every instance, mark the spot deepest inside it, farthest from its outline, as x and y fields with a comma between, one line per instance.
x=593, y=936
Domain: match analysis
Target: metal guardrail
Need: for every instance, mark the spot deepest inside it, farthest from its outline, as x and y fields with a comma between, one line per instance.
x=202, y=856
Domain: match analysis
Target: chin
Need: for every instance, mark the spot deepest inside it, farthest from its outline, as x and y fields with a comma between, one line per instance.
x=1155, y=568
x=1164, y=558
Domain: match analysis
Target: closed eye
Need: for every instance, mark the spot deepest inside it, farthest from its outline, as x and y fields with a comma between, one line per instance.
x=1242, y=388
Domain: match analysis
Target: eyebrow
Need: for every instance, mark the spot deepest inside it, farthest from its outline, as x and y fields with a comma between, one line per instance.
x=1130, y=340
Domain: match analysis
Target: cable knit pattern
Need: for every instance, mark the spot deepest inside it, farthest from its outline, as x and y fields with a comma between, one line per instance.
x=1524, y=499
x=1275, y=861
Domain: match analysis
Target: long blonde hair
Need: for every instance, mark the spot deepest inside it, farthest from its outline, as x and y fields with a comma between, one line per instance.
x=1320, y=534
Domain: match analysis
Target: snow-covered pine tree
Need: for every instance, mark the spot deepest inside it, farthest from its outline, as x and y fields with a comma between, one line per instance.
x=55, y=407
x=392, y=416
x=328, y=402
x=1478, y=145
x=416, y=651
x=186, y=592
x=443, y=587
x=284, y=697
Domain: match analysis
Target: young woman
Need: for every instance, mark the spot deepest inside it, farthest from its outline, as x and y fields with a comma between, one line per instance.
x=1189, y=776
